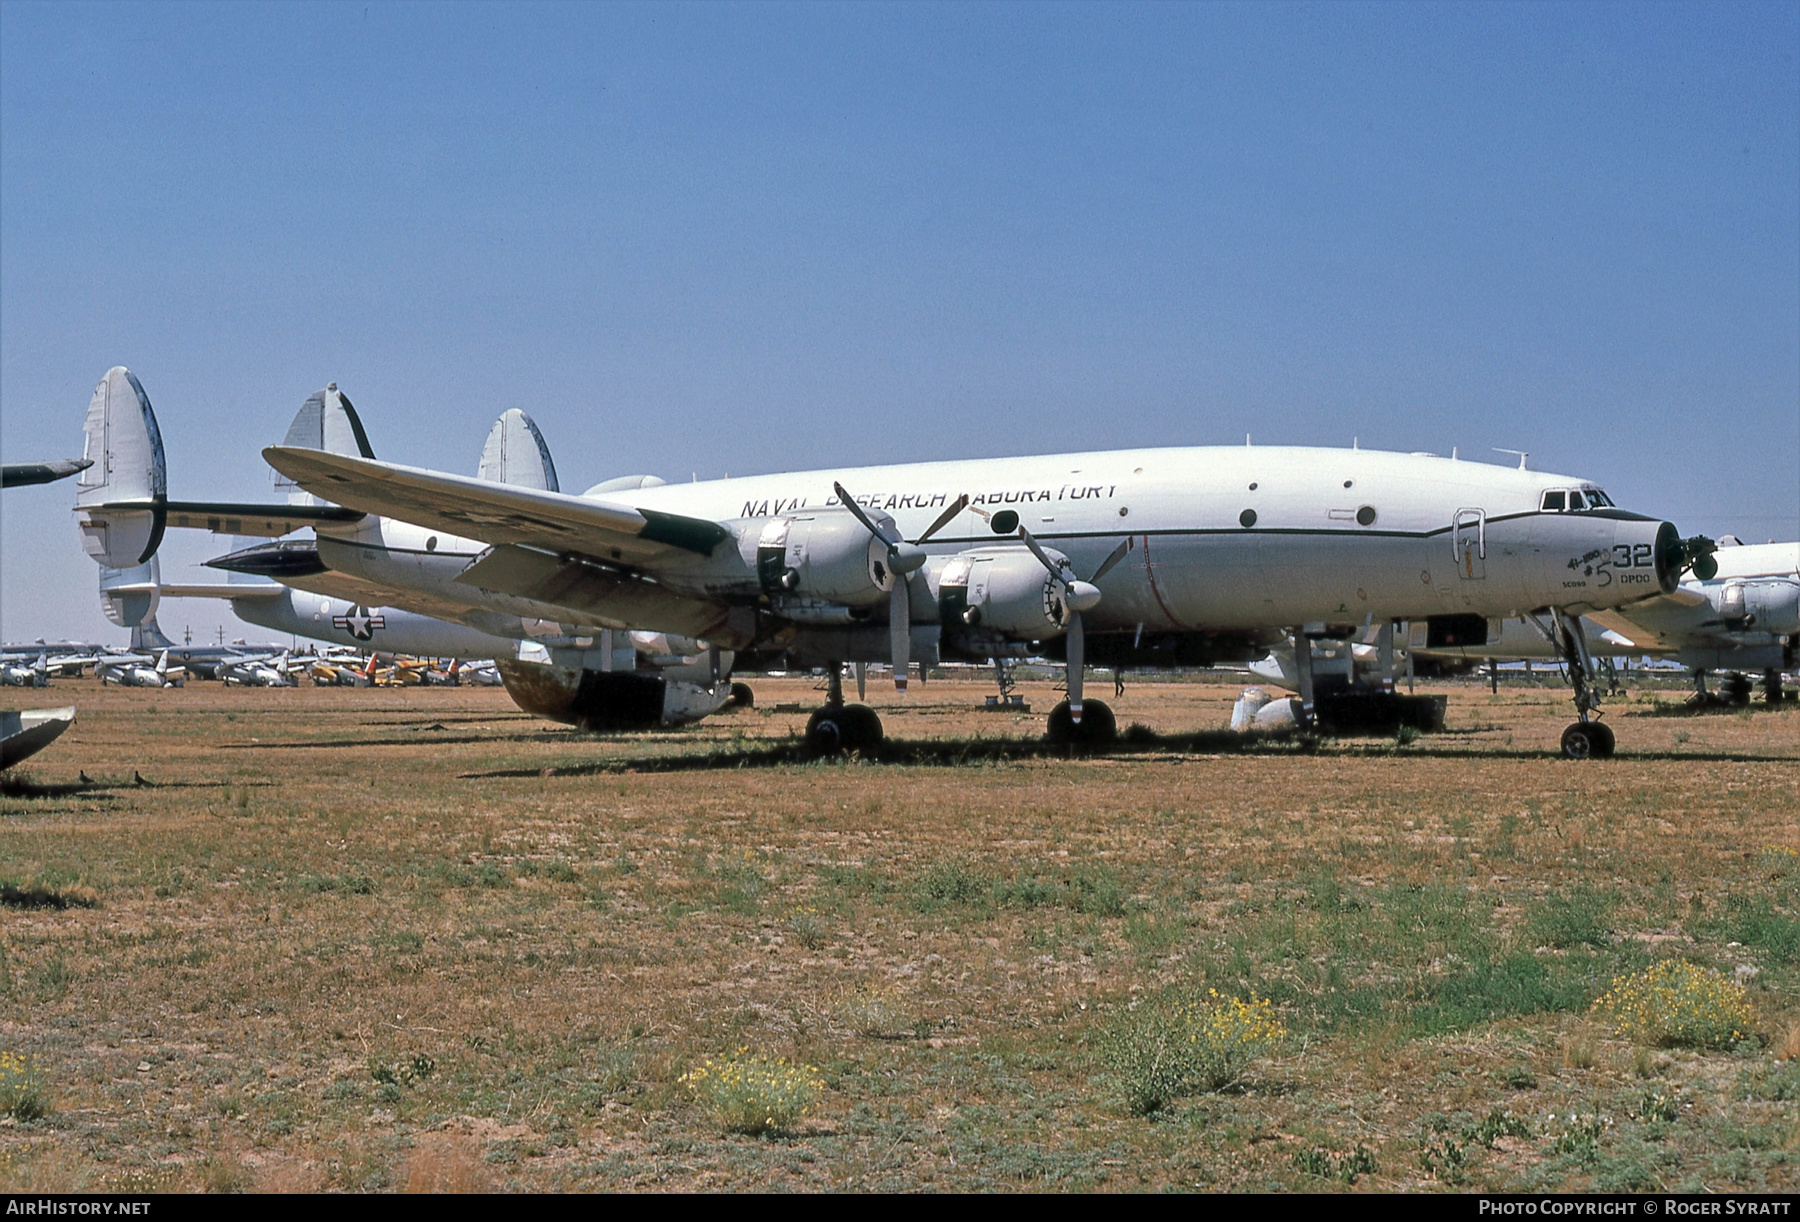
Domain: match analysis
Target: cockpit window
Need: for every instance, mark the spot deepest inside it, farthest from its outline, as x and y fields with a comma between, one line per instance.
x=1575, y=501
x=1598, y=499
x=1553, y=502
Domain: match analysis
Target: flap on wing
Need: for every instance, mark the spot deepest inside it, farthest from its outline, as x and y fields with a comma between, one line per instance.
x=496, y=513
x=616, y=597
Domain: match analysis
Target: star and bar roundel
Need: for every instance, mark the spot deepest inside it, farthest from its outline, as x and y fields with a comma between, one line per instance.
x=359, y=623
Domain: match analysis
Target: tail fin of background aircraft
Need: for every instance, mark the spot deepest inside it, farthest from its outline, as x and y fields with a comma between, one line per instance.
x=515, y=454
x=327, y=421
x=149, y=635
x=128, y=472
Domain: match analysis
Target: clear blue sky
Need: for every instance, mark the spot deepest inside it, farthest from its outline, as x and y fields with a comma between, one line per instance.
x=734, y=239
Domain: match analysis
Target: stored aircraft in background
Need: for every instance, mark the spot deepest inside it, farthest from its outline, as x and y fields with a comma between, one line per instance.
x=265, y=671
x=1186, y=556
x=133, y=671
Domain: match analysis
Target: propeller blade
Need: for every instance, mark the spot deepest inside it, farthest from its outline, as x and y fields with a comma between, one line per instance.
x=1118, y=554
x=1043, y=559
x=944, y=519
x=1077, y=664
x=900, y=631
x=862, y=680
x=857, y=512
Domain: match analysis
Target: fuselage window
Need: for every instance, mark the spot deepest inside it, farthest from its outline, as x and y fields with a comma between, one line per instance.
x=1553, y=502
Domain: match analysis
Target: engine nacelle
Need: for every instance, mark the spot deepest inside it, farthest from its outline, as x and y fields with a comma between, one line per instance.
x=1003, y=591
x=828, y=557
x=1768, y=606
x=607, y=699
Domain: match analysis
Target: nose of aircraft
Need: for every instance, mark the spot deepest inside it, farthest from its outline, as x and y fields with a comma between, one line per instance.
x=1676, y=556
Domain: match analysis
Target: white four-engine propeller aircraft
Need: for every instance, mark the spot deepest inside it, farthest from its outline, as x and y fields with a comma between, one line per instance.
x=1185, y=556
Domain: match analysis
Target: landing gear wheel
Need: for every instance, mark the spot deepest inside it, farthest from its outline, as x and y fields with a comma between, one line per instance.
x=1586, y=740
x=846, y=727
x=741, y=697
x=1734, y=689
x=865, y=727
x=1097, y=724
x=1772, y=687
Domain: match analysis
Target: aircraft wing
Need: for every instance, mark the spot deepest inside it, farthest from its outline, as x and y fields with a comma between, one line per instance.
x=1663, y=624
x=498, y=513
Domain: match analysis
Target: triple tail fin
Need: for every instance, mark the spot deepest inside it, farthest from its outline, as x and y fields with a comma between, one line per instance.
x=515, y=454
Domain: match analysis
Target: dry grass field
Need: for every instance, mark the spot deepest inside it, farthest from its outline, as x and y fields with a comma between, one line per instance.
x=383, y=940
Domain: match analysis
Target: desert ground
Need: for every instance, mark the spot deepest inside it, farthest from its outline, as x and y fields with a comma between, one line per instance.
x=406, y=939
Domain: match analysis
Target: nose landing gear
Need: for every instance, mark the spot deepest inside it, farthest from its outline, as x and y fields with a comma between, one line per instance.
x=1588, y=738
x=839, y=726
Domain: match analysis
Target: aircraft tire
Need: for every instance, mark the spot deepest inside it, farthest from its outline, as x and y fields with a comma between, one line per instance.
x=1772, y=691
x=1734, y=689
x=1584, y=740
x=1604, y=741
x=866, y=732
x=1098, y=726
x=825, y=731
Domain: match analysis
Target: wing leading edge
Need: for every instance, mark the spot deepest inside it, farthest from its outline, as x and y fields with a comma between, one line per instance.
x=497, y=513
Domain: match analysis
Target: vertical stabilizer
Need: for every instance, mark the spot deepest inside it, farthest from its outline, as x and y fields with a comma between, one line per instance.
x=119, y=500
x=129, y=597
x=149, y=635
x=515, y=454
x=327, y=421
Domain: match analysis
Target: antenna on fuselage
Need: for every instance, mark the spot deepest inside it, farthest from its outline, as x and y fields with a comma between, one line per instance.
x=1523, y=454
x=1246, y=440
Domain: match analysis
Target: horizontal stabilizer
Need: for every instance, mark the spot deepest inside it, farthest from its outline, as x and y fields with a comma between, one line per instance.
x=21, y=474
x=220, y=589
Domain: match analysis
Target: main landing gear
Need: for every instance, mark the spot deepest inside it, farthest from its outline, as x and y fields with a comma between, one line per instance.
x=1097, y=724
x=1588, y=738
x=839, y=726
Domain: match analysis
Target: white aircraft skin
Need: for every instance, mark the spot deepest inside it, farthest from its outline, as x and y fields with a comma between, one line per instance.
x=1194, y=567
x=1228, y=546
x=1746, y=617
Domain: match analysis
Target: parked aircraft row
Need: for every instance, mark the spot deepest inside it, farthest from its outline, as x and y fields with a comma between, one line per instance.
x=1188, y=556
